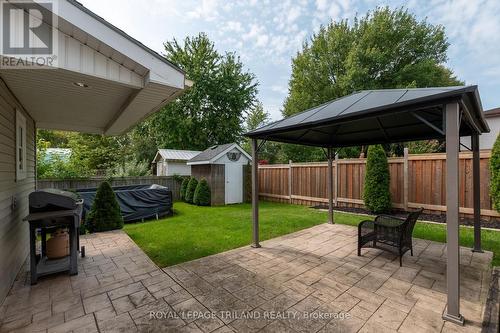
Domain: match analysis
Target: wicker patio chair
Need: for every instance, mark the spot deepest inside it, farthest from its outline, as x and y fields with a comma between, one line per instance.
x=388, y=233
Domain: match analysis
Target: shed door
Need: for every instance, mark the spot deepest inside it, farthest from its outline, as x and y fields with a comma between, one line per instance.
x=234, y=183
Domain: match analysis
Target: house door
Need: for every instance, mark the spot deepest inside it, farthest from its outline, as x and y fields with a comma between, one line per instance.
x=234, y=183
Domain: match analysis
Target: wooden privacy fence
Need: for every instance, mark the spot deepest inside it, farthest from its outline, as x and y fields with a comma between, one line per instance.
x=416, y=181
x=65, y=184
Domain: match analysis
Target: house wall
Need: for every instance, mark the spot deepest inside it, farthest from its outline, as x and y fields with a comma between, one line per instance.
x=214, y=174
x=177, y=168
x=14, y=234
x=171, y=168
x=486, y=140
x=160, y=169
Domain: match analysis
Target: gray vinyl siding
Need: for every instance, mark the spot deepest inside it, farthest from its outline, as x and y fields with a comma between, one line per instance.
x=13, y=231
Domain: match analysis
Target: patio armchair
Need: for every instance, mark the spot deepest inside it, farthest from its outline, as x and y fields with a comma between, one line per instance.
x=388, y=233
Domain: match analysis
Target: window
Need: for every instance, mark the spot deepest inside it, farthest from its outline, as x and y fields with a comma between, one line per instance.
x=20, y=146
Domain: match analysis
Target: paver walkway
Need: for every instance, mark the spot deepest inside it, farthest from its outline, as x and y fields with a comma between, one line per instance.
x=308, y=281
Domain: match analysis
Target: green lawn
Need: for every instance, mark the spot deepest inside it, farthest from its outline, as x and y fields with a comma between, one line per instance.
x=194, y=232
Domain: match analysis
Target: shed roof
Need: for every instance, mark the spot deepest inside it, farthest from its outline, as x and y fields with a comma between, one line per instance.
x=378, y=116
x=213, y=153
x=176, y=154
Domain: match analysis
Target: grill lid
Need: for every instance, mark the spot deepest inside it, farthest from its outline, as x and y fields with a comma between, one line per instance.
x=52, y=199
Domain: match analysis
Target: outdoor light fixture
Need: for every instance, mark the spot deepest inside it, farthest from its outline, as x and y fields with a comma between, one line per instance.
x=80, y=84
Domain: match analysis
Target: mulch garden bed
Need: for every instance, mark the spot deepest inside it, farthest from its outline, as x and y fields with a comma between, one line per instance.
x=440, y=218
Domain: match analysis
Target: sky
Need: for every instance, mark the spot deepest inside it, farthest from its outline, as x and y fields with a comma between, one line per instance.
x=267, y=34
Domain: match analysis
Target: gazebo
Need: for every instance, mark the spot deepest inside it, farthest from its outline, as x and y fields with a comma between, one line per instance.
x=389, y=116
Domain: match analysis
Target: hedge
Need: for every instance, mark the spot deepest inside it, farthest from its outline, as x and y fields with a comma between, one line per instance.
x=105, y=213
x=376, y=194
x=495, y=174
x=202, y=194
x=191, y=187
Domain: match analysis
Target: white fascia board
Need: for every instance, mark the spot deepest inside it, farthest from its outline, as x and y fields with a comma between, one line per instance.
x=70, y=127
x=244, y=152
x=156, y=156
x=230, y=148
x=76, y=57
x=199, y=162
x=214, y=159
x=160, y=71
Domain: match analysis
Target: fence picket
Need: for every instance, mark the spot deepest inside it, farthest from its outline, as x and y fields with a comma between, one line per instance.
x=416, y=181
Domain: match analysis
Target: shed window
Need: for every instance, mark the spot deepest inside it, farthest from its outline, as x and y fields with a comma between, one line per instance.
x=20, y=146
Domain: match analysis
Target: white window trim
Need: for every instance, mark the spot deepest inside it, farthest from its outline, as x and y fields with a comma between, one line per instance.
x=20, y=146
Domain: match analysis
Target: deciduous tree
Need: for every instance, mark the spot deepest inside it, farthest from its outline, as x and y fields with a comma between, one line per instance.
x=383, y=49
x=212, y=111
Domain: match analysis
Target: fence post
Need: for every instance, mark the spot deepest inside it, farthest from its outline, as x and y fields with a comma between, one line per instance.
x=336, y=178
x=290, y=181
x=405, y=179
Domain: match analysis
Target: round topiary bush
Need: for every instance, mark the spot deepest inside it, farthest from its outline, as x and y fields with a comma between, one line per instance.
x=105, y=213
x=376, y=194
x=495, y=174
x=184, y=185
x=191, y=187
x=202, y=193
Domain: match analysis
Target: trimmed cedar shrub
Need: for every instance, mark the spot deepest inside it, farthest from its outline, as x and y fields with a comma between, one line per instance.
x=184, y=185
x=247, y=182
x=105, y=213
x=495, y=174
x=202, y=193
x=191, y=187
x=376, y=194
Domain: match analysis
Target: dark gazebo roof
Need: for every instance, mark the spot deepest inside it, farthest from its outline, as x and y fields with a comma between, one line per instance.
x=378, y=116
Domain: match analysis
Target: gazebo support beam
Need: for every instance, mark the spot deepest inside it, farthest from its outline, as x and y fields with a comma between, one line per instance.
x=330, y=187
x=476, y=190
x=255, y=193
x=452, y=312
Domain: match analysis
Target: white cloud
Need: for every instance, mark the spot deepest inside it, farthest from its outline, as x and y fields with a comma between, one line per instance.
x=280, y=89
x=293, y=14
x=208, y=10
x=321, y=5
x=234, y=26
x=262, y=40
x=268, y=33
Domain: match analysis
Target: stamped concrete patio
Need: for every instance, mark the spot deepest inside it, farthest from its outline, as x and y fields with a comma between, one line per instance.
x=313, y=275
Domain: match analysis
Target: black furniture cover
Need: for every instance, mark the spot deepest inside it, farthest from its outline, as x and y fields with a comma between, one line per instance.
x=136, y=202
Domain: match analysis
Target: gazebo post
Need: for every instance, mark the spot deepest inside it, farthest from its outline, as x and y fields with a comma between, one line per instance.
x=255, y=193
x=452, y=312
x=330, y=187
x=476, y=192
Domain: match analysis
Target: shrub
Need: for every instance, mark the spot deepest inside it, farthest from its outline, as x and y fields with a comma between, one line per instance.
x=495, y=174
x=202, y=193
x=105, y=213
x=191, y=187
x=377, y=195
x=184, y=185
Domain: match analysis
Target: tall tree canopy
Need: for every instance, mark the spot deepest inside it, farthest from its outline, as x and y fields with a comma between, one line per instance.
x=383, y=49
x=270, y=152
x=212, y=111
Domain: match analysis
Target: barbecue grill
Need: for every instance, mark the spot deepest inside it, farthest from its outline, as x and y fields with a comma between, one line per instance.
x=51, y=209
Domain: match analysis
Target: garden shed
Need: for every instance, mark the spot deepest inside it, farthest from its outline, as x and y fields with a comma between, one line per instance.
x=222, y=167
x=170, y=162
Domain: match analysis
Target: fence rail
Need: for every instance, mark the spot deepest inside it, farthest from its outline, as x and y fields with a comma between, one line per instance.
x=416, y=181
x=65, y=184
